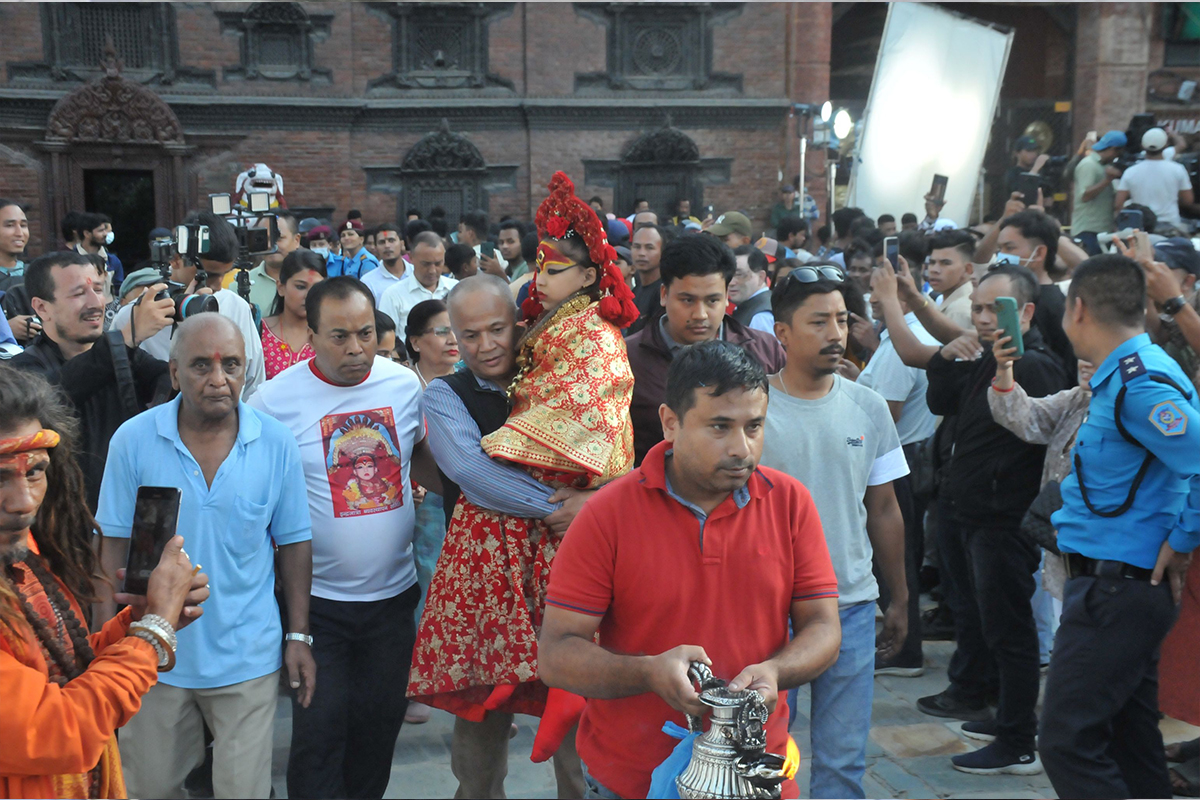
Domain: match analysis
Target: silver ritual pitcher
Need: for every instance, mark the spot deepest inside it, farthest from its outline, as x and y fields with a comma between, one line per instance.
x=730, y=759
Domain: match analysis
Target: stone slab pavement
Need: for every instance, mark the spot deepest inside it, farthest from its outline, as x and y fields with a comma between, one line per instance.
x=908, y=754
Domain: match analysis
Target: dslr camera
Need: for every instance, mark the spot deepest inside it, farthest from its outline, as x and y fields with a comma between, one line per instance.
x=188, y=242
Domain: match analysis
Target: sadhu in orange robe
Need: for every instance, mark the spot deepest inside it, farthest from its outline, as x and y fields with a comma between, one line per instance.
x=569, y=426
x=57, y=741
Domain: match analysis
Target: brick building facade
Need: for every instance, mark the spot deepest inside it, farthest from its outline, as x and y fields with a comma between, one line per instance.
x=383, y=106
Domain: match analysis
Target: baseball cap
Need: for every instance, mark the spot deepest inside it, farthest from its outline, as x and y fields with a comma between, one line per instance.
x=1026, y=143
x=1111, y=139
x=788, y=189
x=307, y=224
x=160, y=233
x=1154, y=140
x=1178, y=253
x=139, y=278
x=617, y=231
x=771, y=248
x=623, y=254
x=731, y=222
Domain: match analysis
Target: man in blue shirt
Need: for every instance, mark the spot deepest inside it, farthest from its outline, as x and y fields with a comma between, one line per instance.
x=1130, y=516
x=243, y=491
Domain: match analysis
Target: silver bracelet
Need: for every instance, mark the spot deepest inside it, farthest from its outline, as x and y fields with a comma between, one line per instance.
x=156, y=624
x=166, y=659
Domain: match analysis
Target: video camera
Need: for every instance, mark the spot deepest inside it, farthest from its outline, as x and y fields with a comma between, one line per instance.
x=188, y=242
x=257, y=232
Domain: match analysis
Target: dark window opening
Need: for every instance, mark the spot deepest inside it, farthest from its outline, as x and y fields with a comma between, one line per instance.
x=127, y=197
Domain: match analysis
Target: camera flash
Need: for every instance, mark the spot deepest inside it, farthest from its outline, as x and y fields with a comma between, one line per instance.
x=260, y=202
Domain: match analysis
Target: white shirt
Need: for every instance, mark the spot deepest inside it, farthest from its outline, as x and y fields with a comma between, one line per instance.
x=764, y=320
x=236, y=310
x=888, y=375
x=400, y=298
x=1156, y=184
x=381, y=279
x=356, y=446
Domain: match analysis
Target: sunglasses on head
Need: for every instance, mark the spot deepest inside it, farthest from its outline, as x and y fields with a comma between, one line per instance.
x=814, y=274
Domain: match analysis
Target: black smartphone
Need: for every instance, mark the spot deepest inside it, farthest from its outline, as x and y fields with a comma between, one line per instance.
x=487, y=250
x=938, y=190
x=1028, y=184
x=1130, y=218
x=891, y=249
x=155, y=517
x=708, y=212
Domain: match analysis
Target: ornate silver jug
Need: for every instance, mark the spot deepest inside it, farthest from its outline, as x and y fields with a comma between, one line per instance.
x=730, y=759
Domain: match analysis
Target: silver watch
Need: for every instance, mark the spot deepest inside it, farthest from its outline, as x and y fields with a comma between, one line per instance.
x=299, y=637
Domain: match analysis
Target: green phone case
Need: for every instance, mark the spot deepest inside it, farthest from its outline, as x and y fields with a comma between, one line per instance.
x=1008, y=323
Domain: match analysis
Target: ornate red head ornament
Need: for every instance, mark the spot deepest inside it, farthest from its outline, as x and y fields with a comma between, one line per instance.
x=563, y=215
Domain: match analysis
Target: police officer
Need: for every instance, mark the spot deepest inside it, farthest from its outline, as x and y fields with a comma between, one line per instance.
x=1130, y=517
x=356, y=259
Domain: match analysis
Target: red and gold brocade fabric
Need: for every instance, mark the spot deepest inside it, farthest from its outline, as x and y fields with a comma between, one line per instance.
x=569, y=426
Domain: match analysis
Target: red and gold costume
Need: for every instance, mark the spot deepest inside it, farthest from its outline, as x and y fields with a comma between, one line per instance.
x=57, y=719
x=476, y=646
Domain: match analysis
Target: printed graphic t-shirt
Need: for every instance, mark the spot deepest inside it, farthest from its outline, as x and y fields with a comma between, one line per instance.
x=356, y=444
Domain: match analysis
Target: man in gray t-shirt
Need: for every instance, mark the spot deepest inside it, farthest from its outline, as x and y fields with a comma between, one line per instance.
x=838, y=439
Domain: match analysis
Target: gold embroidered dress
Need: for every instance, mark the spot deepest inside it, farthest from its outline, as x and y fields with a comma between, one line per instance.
x=569, y=426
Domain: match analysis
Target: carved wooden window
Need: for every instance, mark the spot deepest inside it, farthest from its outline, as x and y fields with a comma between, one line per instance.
x=658, y=46
x=440, y=45
x=443, y=169
x=277, y=41
x=143, y=36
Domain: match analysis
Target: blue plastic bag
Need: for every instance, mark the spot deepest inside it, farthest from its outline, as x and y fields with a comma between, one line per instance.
x=662, y=780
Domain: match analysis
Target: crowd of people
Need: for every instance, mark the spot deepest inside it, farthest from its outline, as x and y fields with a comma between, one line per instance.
x=545, y=468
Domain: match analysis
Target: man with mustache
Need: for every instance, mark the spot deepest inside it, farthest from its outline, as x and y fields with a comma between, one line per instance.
x=357, y=420
x=838, y=439
x=700, y=555
x=696, y=271
x=73, y=352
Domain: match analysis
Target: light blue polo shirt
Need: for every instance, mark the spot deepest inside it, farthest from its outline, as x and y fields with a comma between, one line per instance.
x=258, y=497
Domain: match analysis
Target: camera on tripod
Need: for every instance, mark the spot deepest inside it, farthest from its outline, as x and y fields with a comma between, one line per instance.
x=257, y=228
x=188, y=242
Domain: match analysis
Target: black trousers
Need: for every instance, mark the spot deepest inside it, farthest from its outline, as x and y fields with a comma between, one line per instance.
x=342, y=744
x=972, y=670
x=1099, y=734
x=998, y=629
x=910, y=654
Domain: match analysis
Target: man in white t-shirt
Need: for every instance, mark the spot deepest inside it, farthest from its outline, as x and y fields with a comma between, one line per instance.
x=1161, y=185
x=838, y=439
x=427, y=282
x=389, y=241
x=357, y=420
x=222, y=251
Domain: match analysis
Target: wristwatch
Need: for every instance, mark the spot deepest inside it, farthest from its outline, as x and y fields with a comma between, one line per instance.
x=1174, y=305
x=299, y=637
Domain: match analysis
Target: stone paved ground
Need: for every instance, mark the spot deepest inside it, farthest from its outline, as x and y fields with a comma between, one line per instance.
x=908, y=754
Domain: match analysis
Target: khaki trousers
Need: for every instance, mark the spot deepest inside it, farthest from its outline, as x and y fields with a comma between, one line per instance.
x=479, y=759
x=165, y=740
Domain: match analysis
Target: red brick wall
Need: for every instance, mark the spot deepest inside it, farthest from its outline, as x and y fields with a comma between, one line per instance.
x=22, y=27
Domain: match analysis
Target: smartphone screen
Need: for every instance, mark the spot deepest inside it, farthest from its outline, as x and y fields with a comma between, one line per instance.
x=1028, y=184
x=1008, y=323
x=155, y=516
x=891, y=249
x=938, y=189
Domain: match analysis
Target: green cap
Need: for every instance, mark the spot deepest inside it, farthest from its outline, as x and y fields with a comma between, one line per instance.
x=731, y=222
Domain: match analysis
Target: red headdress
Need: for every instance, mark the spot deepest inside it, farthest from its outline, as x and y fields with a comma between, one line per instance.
x=563, y=215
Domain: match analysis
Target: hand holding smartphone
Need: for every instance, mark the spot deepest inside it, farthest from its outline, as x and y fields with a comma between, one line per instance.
x=155, y=518
x=891, y=249
x=1008, y=323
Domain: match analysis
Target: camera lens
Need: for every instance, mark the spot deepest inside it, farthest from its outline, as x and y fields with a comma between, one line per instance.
x=195, y=304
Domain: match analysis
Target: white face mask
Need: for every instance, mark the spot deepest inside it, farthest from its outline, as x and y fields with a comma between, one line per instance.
x=109, y=237
x=324, y=251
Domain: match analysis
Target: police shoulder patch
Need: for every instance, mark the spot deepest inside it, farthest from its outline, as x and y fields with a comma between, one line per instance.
x=1131, y=366
x=1169, y=420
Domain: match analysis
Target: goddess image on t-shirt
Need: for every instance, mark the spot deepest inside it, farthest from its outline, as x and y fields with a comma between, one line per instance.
x=363, y=462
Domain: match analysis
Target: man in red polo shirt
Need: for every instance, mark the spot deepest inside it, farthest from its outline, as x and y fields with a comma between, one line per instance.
x=697, y=555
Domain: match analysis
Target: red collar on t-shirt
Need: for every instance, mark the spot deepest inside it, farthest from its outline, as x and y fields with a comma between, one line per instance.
x=312, y=364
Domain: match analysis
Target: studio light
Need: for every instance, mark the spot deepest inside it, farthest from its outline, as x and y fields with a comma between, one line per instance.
x=826, y=111
x=842, y=124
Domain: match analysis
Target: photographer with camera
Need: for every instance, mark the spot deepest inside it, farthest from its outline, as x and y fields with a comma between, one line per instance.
x=1094, y=192
x=104, y=375
x=197, y=273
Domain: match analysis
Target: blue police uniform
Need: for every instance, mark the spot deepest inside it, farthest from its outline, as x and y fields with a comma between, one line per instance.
x=1135, y=484
x=358, y=265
